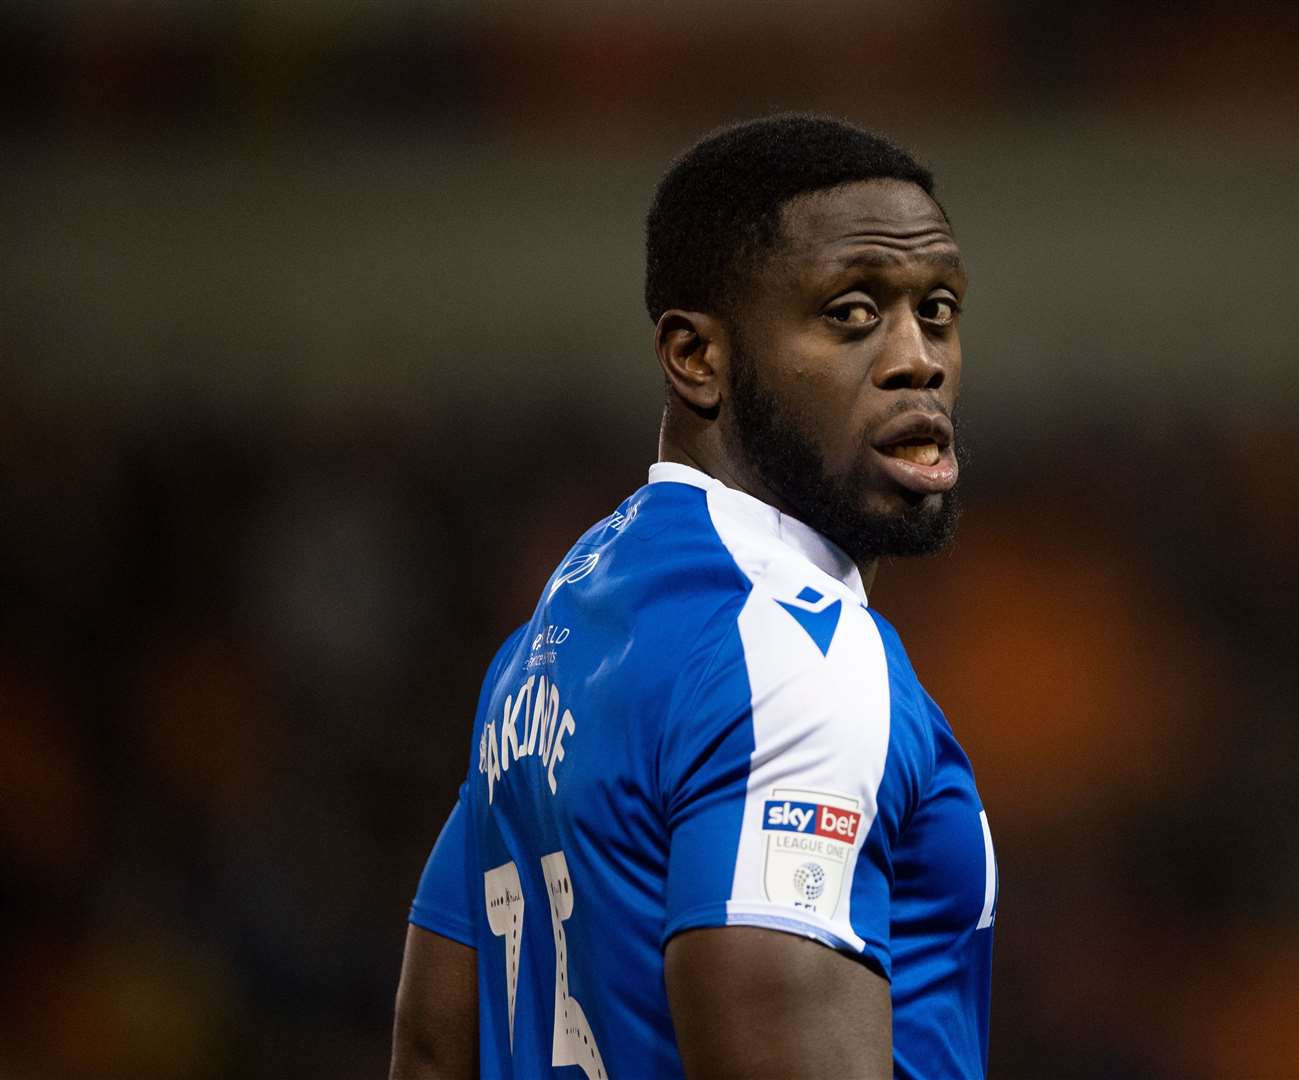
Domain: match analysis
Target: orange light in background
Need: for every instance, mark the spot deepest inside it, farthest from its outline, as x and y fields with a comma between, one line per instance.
x=1065, y=676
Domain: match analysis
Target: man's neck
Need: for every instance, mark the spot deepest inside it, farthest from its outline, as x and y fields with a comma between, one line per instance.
x=720, y=468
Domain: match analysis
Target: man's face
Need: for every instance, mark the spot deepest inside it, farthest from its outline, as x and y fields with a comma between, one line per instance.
x=845, y=368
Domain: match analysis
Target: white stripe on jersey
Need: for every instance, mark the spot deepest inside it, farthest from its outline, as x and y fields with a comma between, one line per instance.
x=820, y=721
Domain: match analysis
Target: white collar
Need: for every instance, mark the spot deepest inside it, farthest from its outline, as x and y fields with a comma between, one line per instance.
x=822, y=553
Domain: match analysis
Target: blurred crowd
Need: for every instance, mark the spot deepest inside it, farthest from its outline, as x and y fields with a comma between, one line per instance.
x=256, y=549
x=238, y=674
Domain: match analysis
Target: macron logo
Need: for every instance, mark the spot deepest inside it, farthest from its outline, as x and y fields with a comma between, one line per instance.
x=815, y=819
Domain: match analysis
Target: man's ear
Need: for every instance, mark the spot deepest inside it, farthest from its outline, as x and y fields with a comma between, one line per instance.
x=693, y=350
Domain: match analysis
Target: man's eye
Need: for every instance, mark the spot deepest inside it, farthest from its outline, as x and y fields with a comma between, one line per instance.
x=854, y=314
x=940, y=310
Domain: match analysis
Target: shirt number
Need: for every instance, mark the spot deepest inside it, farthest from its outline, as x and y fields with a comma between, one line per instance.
x=572, y=1040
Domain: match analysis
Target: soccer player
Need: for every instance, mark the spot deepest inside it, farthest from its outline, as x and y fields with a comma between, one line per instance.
x=713, y=826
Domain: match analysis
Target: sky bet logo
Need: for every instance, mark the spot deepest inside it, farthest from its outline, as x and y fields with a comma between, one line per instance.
x=814, y=819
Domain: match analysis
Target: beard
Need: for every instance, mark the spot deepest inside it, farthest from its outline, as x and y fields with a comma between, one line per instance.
x=774, y=440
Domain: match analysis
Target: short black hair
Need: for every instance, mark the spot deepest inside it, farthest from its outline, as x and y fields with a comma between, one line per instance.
x=717, y=210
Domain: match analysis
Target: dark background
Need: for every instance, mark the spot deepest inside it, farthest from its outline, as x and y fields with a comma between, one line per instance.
x=321, y=340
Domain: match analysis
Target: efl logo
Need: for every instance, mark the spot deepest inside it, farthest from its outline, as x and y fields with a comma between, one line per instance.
x=815, y=819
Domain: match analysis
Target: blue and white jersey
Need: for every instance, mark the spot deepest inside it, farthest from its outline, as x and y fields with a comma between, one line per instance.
x=704, y=724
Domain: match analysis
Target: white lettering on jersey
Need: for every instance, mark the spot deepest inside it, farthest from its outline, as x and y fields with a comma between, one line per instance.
x=532, y=726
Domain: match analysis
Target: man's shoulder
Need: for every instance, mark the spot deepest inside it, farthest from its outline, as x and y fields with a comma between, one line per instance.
x=660, y=548
x=713, y=569
x=642, y=600
x=902, y=675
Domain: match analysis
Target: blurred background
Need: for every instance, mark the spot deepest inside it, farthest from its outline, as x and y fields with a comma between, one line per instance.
x=321, y=340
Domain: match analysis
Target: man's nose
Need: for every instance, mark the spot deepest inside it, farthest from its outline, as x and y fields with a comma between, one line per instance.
x=909, y=360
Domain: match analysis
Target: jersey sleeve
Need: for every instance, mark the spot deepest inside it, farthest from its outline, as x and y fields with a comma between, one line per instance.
x=444, y=901
x=785, y=787
x=450, y=892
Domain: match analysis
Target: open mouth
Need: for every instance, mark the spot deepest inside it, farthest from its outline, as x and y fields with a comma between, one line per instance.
x=917, y=451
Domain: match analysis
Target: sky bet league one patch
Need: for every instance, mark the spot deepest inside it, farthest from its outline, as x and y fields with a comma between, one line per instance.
x=810, y=838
